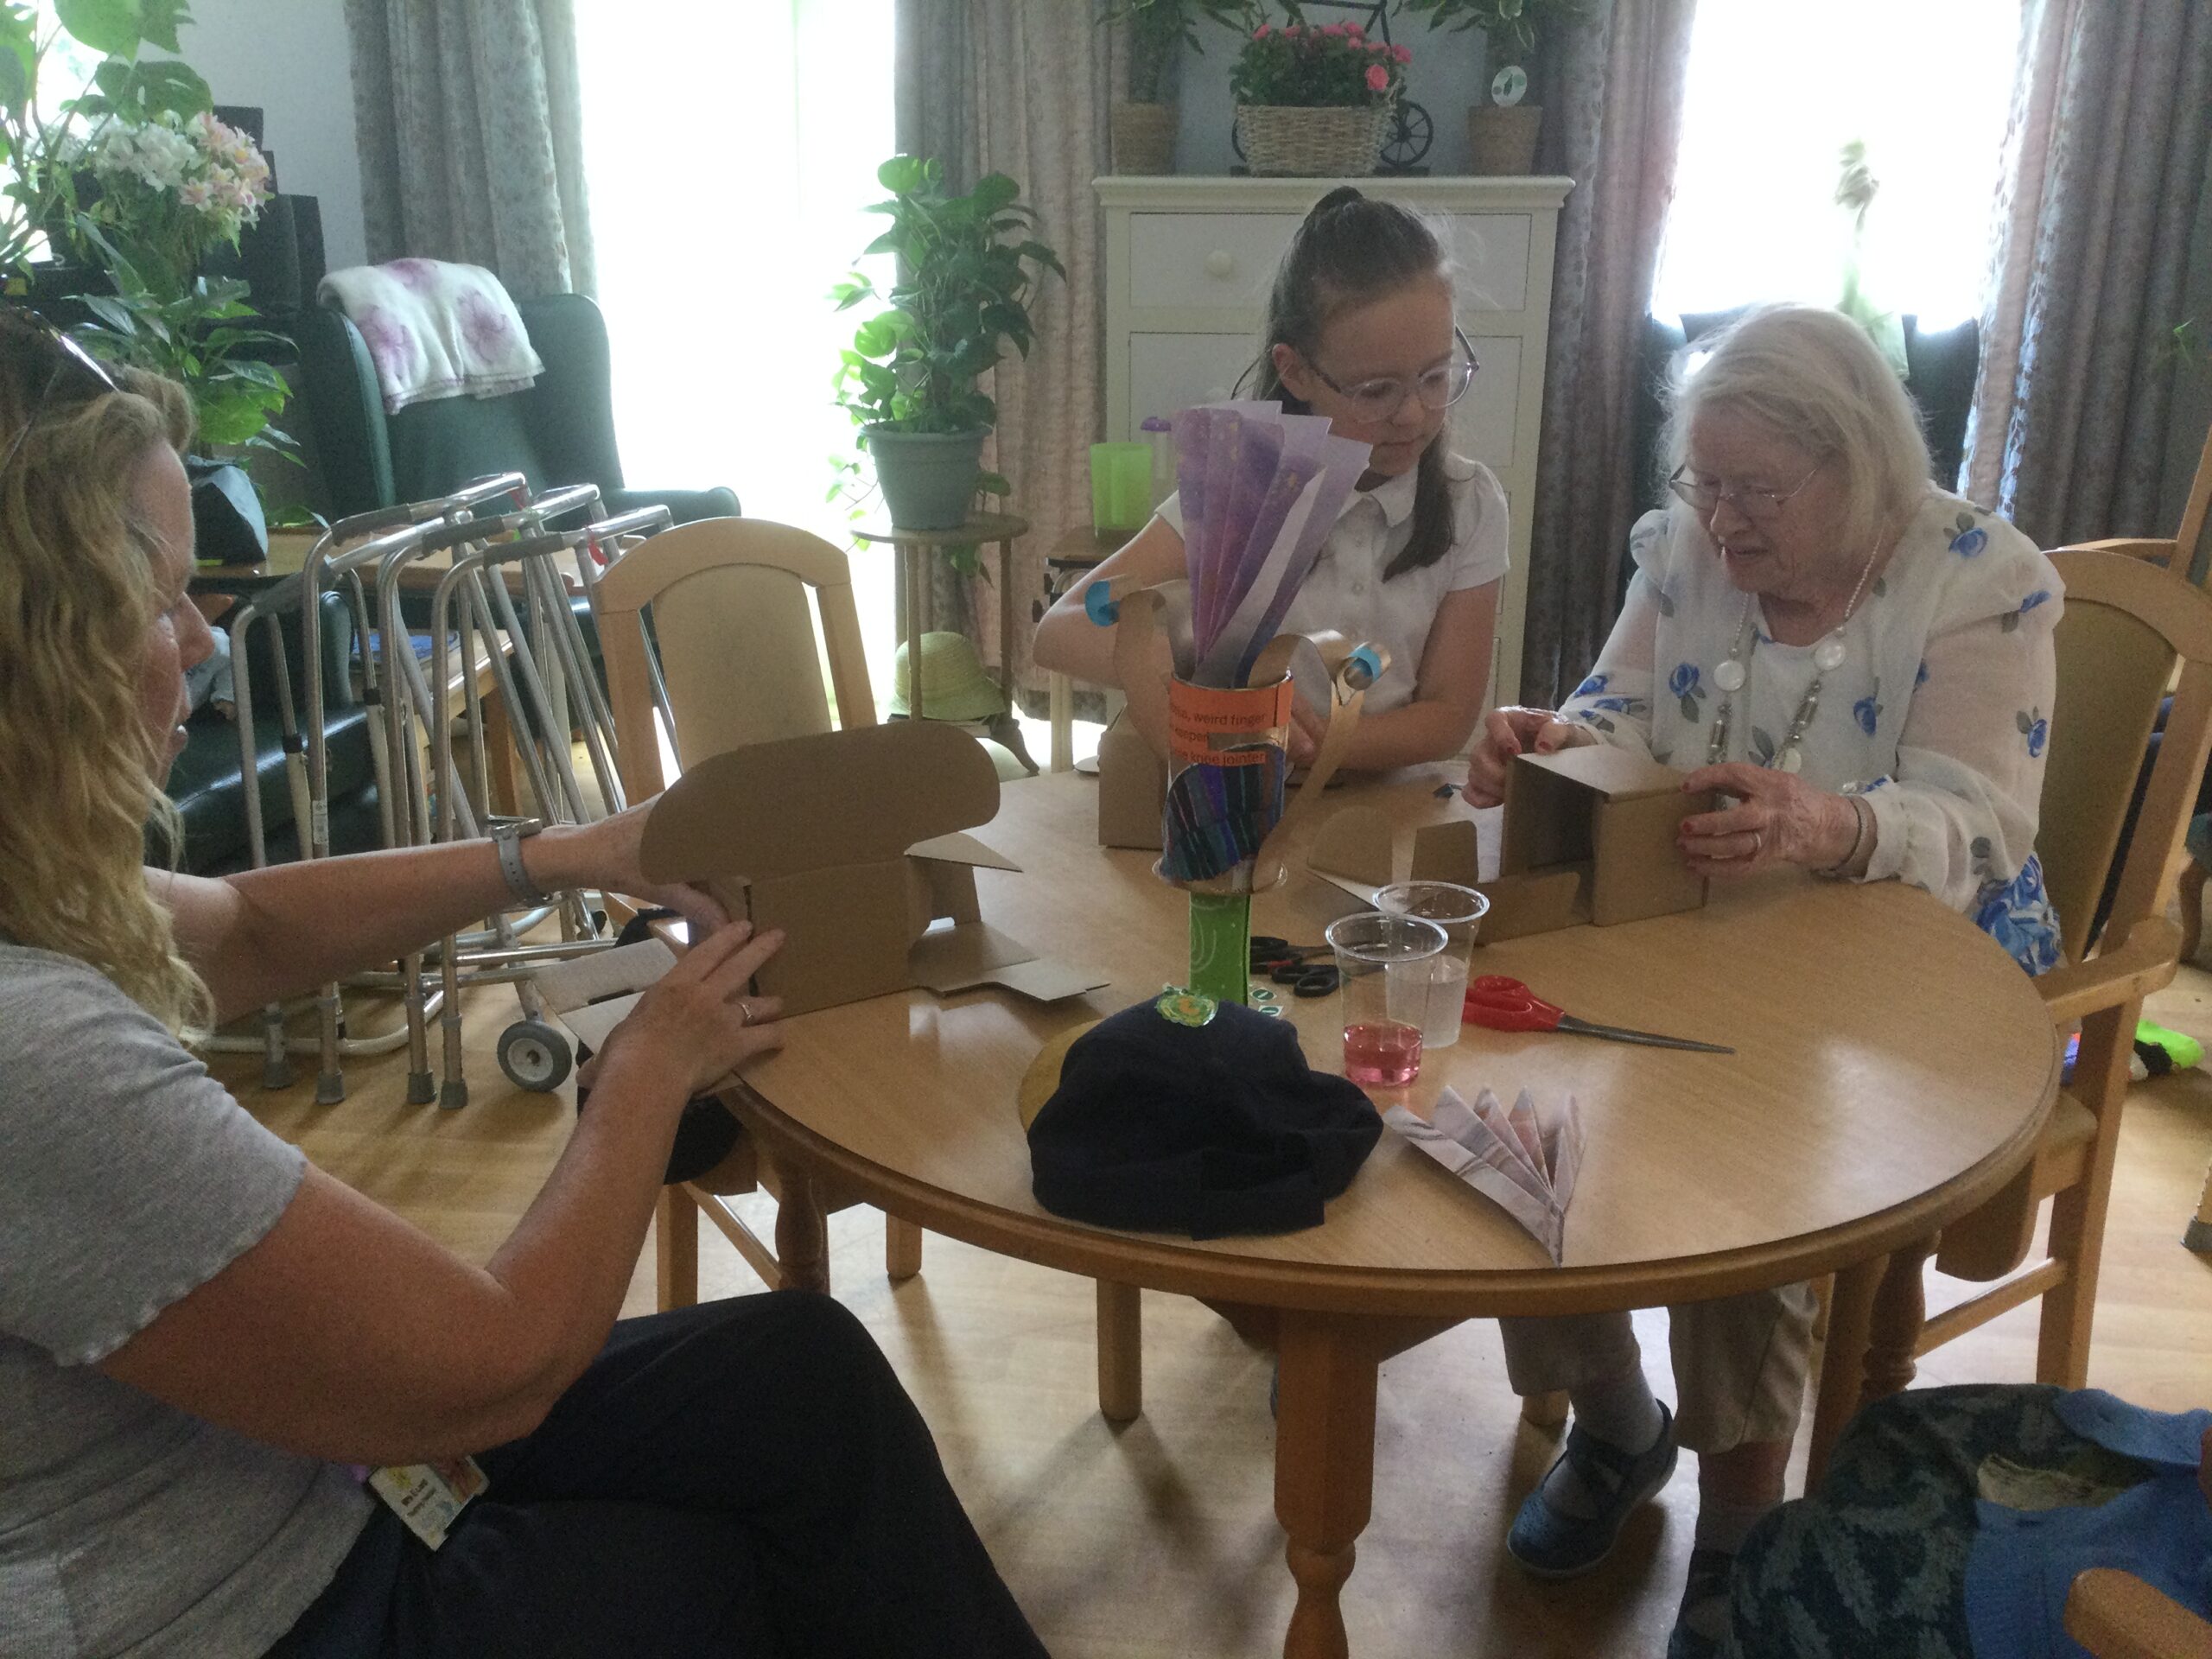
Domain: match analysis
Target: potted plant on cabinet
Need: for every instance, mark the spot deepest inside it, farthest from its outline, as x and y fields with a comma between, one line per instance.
x=1502, y=134
x=967, y=265
x=1315, y=99
x=1143, y=124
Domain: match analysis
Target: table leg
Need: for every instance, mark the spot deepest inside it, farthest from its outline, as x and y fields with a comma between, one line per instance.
x=1059, y=692
x=1325, y=1470
x=1006, y=623
x=1121, y=1351
x=1843, y=1366
x=802, y=1231
x=1893, y=1331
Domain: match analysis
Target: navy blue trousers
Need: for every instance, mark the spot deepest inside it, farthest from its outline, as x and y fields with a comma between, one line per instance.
x=740, y=1477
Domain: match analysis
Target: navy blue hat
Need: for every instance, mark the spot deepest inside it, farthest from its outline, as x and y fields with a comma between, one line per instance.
x=1205, y=1129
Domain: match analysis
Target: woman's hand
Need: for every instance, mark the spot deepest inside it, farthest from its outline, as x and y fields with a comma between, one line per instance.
x=1511, y=731
x=606, y=856
x=1305, y=729
x=1777, y=818
x=696, y=1019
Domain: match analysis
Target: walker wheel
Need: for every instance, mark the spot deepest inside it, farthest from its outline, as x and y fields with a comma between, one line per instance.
x=534, y=1056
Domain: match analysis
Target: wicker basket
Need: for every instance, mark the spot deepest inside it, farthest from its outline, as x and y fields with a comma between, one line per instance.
x=1333, y=143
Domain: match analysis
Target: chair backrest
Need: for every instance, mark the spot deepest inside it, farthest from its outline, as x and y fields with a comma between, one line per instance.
x=559, y=431
x=2126, y=624
x=2193, y=541
x=725, y=604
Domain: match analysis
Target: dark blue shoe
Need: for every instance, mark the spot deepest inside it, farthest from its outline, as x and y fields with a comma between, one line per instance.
x=1552, y=1545
x=1705, y=1602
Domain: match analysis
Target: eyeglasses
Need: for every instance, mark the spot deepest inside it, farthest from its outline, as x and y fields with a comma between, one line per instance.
x=1379, y=400
x=74, y=358
x=1704, y=496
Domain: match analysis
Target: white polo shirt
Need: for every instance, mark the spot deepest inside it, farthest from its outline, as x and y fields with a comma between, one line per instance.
x=1346, y=590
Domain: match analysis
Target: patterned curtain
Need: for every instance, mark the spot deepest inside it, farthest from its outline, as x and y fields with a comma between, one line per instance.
x=468, y=116
x=1613, y=122
x=1022, y=87
x=2106, y=157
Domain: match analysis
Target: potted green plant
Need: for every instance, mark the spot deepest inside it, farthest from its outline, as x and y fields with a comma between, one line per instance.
x=1143, y=124
x=1502, y=134
x=967, y=265
x=1315, y=98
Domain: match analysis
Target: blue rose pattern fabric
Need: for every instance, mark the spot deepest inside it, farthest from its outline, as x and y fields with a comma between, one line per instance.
x=2018, y=915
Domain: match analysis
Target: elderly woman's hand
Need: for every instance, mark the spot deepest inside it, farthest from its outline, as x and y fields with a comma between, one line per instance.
x=1511, y=731
x=696, y=1020
x=1776, y=818
x=606, y=856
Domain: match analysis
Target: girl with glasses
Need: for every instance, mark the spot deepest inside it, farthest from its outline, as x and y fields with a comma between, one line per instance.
x=1359, y=328
x=1861, y=664
x=203, y=1338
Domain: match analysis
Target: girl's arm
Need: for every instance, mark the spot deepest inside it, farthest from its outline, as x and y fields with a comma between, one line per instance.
x=1448, y=692
x=1068, y=642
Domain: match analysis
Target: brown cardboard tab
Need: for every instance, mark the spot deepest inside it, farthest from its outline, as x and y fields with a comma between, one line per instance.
x=960, y=848
x=1533, y=903
x=1354, y=848
x=1447, y=852
x=1043, y=980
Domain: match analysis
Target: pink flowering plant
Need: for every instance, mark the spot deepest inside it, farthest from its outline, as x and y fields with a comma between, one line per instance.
x=172, y=189
x=1318, y=65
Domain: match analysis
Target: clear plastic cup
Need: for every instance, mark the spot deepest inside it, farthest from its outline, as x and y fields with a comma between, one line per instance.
x=1458, y=910
x=1384, y=967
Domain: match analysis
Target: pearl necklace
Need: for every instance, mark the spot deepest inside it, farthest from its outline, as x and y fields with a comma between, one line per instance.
x=1731, y=676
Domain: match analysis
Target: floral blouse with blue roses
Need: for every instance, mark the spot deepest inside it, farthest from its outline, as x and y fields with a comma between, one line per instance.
x=1939, y=715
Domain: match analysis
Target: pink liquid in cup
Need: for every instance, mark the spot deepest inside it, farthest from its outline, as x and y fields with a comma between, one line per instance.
x=1383, y=1053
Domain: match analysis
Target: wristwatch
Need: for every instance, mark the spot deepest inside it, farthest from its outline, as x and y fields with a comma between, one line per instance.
x=508, y=838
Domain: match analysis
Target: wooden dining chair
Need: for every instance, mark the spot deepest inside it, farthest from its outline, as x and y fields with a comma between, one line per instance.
x=2128, y=626
x=726, y=610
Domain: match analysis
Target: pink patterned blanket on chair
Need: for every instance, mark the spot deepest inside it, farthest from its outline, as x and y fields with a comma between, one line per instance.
x=434, y=330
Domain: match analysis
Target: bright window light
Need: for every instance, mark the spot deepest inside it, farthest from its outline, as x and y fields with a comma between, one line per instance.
x=730, y=150
x=1776, y=92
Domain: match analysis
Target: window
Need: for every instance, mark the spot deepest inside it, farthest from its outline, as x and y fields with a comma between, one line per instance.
x=1775, y=92
x=730, y=151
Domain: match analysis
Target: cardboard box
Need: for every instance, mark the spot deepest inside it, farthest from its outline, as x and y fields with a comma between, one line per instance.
x=1588, y=837
x=851, y=843
x=1132, y=788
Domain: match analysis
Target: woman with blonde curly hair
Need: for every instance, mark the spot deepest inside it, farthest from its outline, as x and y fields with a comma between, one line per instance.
x=204, y=1340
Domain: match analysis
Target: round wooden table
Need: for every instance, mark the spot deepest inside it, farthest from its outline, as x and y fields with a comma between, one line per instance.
x=1893, y=1069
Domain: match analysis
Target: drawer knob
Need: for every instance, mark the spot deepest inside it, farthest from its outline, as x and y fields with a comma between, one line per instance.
x=1220, y=263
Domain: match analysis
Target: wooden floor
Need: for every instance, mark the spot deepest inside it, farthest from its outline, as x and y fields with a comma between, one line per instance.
x=1159, y=1539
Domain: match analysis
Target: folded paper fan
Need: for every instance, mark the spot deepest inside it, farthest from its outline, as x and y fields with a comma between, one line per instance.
x=1524, y=1159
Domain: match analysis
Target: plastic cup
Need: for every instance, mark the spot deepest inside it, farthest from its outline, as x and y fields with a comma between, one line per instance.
x=1120, y=486
x=1383, y=969
x=1458, y=910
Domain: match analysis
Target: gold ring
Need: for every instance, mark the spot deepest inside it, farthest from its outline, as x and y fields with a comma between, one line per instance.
x=744, y=1011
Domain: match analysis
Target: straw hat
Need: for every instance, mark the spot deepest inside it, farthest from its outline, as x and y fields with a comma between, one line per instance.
x=953, y=681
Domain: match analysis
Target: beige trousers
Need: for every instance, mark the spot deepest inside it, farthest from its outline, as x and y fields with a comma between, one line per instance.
x=1740, y=1363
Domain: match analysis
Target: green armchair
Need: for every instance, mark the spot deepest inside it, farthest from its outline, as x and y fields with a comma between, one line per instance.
x=559, y=431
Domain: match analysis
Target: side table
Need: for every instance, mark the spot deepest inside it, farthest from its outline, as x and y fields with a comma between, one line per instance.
x=914, y=547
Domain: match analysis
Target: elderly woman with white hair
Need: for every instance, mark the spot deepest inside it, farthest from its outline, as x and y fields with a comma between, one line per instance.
x=1861, y=664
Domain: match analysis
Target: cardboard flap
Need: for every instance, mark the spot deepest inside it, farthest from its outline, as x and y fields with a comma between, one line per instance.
x=1044, y=981
x=1542, y=902
x=854, y=796
x=1355, y=849
x=960, y=847
x=953, y=958
x=1447, y=852
x=1614, y=774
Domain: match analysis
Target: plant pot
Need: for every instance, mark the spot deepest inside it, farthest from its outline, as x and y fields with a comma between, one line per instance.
x=928, y=479
x=1502, y=139
x=1280, y=141
x=1144, y=137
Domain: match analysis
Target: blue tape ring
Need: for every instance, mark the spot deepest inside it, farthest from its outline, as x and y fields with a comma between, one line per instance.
x=1098, y=604
x=1362, y=668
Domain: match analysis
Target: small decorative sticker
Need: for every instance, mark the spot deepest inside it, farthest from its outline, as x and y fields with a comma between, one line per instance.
x=1186, y=1008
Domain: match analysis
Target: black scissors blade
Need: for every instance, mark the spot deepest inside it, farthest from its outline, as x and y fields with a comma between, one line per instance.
x=1649, y=1039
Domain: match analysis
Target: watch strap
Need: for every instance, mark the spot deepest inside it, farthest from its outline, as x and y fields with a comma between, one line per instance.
x=508, y=839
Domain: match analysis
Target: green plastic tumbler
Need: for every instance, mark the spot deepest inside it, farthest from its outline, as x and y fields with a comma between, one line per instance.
x=1120, y=486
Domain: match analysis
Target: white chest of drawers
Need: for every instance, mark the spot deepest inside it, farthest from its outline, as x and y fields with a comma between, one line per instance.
x=1189, y=262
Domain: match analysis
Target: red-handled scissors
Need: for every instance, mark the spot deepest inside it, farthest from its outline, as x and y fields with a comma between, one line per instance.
x=1505, y=1004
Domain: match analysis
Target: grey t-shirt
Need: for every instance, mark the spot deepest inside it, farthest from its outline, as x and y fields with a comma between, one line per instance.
x=128, y=1178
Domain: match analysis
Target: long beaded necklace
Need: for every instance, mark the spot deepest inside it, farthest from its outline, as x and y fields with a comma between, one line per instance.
x=1731, y=676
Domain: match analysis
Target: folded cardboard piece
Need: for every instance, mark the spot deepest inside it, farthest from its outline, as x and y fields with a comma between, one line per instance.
x=1588, y=837
x=852, y=841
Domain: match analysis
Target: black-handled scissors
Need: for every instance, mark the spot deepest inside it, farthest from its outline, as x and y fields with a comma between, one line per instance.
x=1285, y=963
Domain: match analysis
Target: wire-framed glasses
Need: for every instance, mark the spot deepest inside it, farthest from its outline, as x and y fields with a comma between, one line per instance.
x=73, y=359
x=1378, y=400
x=1705, y=495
